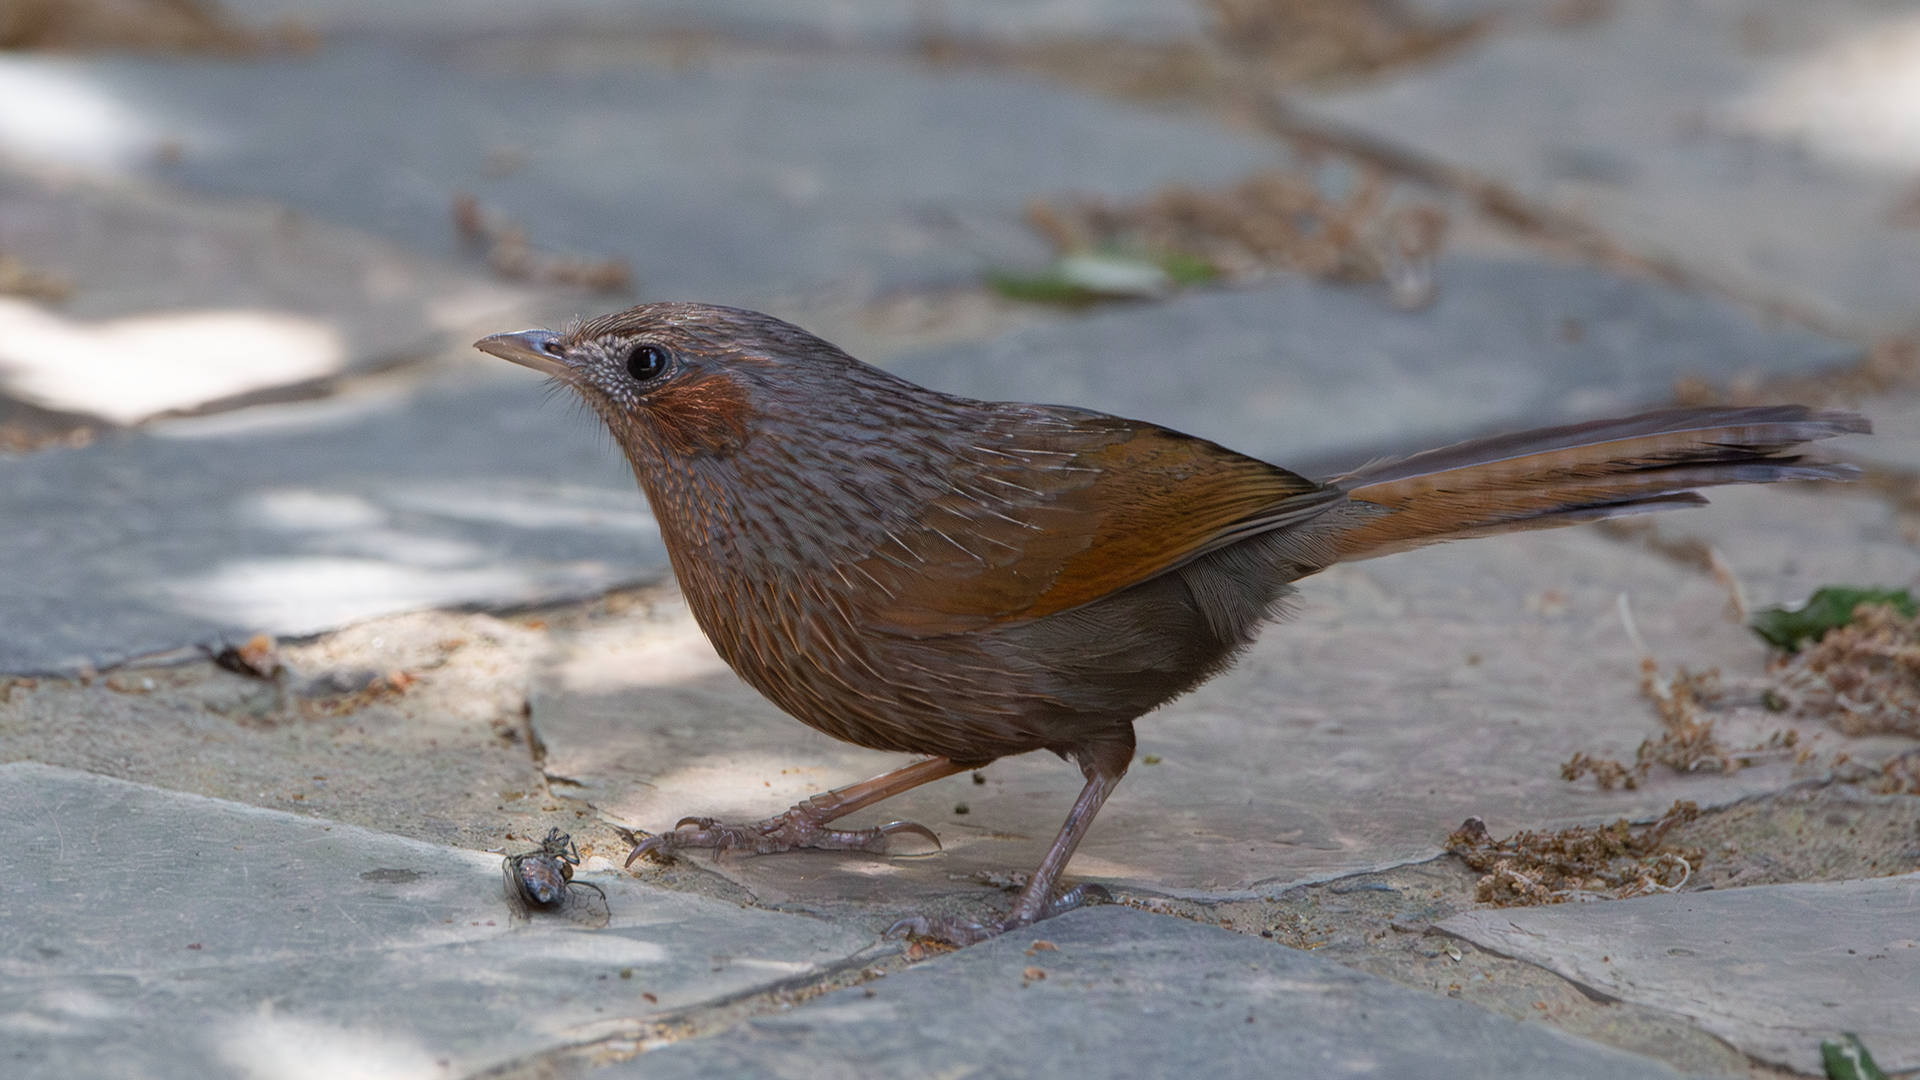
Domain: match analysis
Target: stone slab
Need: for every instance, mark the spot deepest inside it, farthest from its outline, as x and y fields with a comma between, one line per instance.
x=150, y=933
x=886, y=22
x=176, y=304
x=444, y=762
x=1315, y=376
x=1126, y=994
x=1782, y=545
x=1772, y=969
x=1765, y=145
x=1894, y=445
x=1404, y=695
x=831, y=20
x=297, y=518
x=728, y=175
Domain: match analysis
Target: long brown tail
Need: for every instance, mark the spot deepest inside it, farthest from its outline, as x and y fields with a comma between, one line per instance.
x=1582, y=472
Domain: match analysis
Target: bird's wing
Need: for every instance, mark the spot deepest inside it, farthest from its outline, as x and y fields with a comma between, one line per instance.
x=1057, y=507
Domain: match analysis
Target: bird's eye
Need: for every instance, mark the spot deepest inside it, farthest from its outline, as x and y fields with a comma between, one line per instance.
x=646, y=362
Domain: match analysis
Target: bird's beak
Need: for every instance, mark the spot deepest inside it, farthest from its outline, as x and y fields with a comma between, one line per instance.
x=537, y=349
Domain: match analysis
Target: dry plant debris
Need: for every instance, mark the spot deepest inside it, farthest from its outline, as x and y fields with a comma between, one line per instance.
x=1863, y=678
x=1303, y=41
x=381, y=688
x=19, y=279
x=163, y=26
x=1859, y=672
x=257, y=659
x=1581, y=863
x=513, y=256
x=1277, y=219
x=330, y=694
x=1248, y=44
x=1898, y=776
x=1687, y=744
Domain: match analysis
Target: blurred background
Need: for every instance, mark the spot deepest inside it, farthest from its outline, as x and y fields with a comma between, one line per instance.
x=244, y=247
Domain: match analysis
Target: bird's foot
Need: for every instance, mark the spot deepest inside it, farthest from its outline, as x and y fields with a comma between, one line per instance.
x=964, y=932
x=794, y=829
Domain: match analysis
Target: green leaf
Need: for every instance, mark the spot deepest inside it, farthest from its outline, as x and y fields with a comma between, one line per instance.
x=1832, y=606
x=1188, y=269
x=1111, y=274
x=1042, y=289
x=1847, y=1059
x=1089, y=277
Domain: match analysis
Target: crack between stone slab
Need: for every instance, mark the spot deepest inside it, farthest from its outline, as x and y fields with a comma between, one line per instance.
x=1593, y=994
x=1601, y=997
x=1387, y=957
x=1271, y=888
x=637, y=1036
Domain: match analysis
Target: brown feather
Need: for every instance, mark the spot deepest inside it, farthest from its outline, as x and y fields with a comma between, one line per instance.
x=1051, y=516
x=704, y=415
x=1559, y=476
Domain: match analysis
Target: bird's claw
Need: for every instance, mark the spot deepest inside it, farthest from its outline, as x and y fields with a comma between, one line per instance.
x=894, y=828
x=963, y=932
x=793, y=829
x=956, y=932
x=657, y=843
x=911, y=927
x=1077, y=897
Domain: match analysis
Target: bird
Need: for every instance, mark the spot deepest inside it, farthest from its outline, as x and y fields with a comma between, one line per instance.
x=917, y=572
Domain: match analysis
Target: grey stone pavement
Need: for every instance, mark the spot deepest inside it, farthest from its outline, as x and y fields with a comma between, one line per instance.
x=1767, y=148
x=236, y=398
x=1775, y=1005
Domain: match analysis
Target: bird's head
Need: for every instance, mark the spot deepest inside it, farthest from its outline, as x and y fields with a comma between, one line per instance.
x=677, y=382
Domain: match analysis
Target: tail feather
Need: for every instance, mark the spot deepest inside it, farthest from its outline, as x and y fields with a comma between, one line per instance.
x=1583, y=472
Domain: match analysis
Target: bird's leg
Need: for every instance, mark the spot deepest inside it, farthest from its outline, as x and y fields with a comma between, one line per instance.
x=1103, y=767
x=804, y=826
